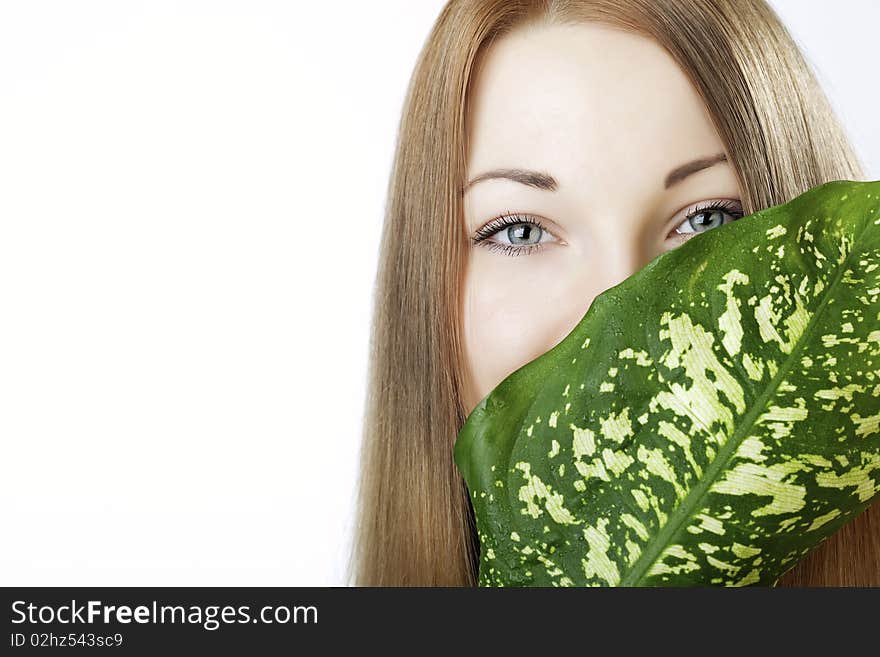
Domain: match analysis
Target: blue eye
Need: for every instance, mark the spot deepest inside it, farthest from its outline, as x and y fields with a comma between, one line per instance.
x=516, y=234
x=523, y=234
x=706, y=217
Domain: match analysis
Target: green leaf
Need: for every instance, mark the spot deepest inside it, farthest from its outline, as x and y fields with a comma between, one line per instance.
x=709, y=421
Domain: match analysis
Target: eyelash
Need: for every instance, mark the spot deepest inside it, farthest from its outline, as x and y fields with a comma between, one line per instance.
x=496, y=225
x=728, y=207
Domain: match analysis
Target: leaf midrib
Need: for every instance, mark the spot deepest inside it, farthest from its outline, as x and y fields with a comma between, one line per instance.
x=685, y=509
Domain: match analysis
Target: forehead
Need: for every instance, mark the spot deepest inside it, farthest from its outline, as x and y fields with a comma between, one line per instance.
x=586, y=102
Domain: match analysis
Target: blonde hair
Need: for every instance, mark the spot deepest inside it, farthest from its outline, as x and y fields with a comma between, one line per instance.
x=415, y=524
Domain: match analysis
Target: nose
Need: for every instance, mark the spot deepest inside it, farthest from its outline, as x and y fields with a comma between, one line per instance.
x=616, y=261
x=604, y=268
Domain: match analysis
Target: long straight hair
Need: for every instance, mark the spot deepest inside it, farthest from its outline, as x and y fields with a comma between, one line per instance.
x=415, y=524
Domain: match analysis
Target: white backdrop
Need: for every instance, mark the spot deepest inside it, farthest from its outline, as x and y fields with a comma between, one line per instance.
x=191, y=195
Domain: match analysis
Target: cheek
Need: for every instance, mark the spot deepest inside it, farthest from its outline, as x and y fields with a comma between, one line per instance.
x=510, y=317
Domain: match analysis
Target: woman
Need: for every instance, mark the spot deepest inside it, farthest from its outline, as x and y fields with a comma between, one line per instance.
x=589, y=137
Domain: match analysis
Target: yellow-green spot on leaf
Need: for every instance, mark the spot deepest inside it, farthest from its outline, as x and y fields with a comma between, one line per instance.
x=617, y=426
x=865, y=426
x=836, y=393
x=753, y=577
x=687, y=564
x=750, y=449
x=633, y=552
x=583, y=442
x=723, y=565
x=710, y=524
x=597, y=562
x=554, y=448
x=656, y=463
x=680, y=438
x=730, y=321
x=641, y=499
x=641, y=357
x=744, y=551
x=595, y=469
x=633, y=523
x=823, y=519
x=754, y=366
x=535, y=489
x=859, y=478
x=769, y=319
x=790, y=414
x=616, y=461
x=553, y=417
x=776, y=231
x=817, y=460
x=692, y=349
x=789, y=522
x=762, y=480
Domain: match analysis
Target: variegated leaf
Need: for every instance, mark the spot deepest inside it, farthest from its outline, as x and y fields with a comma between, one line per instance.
x=709, y=421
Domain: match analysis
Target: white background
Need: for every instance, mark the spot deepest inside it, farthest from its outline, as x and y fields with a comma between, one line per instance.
x=191, y=195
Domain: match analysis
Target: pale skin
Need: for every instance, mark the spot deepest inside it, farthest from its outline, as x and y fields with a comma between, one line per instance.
x=609, y=116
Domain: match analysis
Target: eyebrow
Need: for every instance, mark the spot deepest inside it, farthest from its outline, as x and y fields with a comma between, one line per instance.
x=544, y=181
x=680, y=173
x=536, y=179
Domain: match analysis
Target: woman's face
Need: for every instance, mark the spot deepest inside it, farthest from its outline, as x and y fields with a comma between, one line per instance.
x=596, y=135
